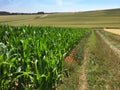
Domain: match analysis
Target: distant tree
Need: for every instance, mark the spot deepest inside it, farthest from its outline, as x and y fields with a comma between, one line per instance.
x=4, y=13
x=8, y=13
x=40, y=13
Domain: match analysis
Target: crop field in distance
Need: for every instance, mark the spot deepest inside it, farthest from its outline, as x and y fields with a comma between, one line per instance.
x=115, y=31
x=99, y=18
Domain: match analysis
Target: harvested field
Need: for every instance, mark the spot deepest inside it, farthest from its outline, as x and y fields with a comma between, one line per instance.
x=115, y=31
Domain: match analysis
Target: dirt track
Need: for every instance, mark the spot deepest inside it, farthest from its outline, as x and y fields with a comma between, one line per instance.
x=82, y=77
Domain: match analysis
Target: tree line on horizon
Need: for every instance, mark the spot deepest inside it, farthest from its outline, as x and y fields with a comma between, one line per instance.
x=9, y=13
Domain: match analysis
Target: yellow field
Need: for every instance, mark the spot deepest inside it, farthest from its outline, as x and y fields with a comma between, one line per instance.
x=115, y=31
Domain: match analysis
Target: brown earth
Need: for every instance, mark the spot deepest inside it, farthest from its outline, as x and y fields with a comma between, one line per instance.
x=70, y=57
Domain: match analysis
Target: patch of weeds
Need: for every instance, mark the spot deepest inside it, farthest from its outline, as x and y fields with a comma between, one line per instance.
x=79, y=52
x=71, y=77
x=94, y=74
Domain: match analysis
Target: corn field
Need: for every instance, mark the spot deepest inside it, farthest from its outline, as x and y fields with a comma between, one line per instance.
x=32, y=58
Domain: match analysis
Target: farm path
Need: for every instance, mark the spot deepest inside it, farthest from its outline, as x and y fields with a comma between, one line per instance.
x=113, y=48
x=82, y=77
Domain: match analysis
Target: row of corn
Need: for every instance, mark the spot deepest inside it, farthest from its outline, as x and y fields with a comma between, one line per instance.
x=32, y=58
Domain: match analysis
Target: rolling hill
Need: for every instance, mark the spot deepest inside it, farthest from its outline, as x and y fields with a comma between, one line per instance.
x=98, y=18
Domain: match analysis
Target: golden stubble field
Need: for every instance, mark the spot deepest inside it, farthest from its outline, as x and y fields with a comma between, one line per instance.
x=115, y=31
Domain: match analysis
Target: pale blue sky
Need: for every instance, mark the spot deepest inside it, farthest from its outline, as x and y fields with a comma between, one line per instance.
x=57, y=5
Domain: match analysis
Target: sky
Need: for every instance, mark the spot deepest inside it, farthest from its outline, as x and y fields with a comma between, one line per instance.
x=31, y=6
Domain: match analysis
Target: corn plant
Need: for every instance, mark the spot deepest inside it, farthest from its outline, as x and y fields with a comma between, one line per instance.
x=33, y=57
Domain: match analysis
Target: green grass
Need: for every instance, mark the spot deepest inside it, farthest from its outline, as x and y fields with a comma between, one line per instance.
x=71, y=82
x=102, y=18
x=102, y=66
x=113, y=38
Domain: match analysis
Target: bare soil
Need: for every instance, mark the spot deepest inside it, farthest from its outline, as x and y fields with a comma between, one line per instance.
x=82, y=76
x=70, y=57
